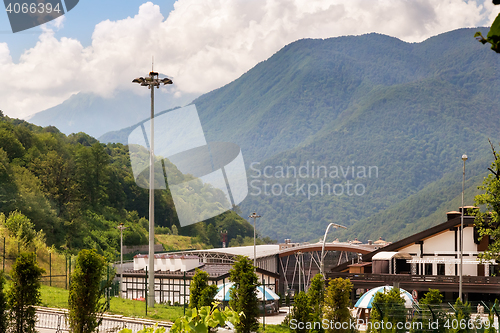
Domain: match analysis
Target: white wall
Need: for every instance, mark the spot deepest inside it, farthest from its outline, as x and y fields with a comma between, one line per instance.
x=444, y=243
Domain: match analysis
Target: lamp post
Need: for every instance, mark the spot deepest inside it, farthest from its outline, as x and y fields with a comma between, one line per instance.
x=121, y=227
x=464, y=158
x=322, y=266
x=151, y=81
x=254, y=216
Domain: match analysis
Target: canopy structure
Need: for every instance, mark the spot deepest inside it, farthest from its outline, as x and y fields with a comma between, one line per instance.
x=223, y=293
x=390, y=255
x=365, y=301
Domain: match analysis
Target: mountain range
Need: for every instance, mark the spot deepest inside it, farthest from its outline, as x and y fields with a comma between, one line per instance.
x=364, y=131
x=96, y=115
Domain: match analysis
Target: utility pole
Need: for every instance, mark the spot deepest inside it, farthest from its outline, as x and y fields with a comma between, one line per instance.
x=464, y=158
x=151, y=81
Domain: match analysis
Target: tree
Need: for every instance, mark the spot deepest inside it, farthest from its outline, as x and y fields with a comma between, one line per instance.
x=301, y=313
x=200, y=293
x=388, y=307
x=337, y=302
x=4, y=319
x=92, y=170
x=20, y=227
x=493, y=36
x=488, y=221
x=462, y=315
x=430, y=304
x=244, y=294
x=432, y=297
x=85, y=301
x=316, y=295
x=24, y=293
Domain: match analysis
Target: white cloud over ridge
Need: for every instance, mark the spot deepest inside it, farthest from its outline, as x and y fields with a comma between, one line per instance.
x=206, y=44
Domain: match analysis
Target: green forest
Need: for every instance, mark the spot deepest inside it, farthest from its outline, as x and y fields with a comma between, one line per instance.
x=77, y=190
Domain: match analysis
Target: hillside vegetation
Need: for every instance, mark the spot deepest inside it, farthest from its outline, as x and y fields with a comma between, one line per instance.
x=77, y=190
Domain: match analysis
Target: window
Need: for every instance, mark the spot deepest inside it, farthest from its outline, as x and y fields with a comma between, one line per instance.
x=440, y=269
x=428, y=269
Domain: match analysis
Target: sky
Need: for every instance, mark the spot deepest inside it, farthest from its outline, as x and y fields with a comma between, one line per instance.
x=100, y=46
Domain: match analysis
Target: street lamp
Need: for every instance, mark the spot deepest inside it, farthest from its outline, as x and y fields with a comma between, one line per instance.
x=322, y=266
x=464, y=158
x=254, y=216
x=151, y=81
x=121, y=227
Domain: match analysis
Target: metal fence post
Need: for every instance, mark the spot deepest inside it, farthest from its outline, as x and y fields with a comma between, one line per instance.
x=69, y=277
x=264, y=299
x=50, y=269
x=108, y=294
x=146, y=290
x=66, y=271
x=184, y=305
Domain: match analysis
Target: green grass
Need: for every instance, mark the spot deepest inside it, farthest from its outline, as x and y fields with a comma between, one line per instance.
x=275, y=329
x=177, y=242
x=53, y=297
x=58, y=298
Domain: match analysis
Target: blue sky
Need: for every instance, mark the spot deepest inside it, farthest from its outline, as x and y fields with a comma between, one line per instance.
x=99, y=45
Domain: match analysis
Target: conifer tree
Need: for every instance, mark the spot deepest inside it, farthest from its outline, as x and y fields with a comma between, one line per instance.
x=244, y=294
x=301, y=313
x=86, y=303
x=200, y=292
x=337, y=302
x=24, y=293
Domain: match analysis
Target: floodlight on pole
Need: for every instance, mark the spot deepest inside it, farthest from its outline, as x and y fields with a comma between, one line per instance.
x=464, y=158
x=322, y=266
x=151, y=81
x=254, y=216
x=121, y=227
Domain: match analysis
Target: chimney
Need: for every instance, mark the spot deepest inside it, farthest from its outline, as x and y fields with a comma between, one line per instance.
x=453, y=214
x=468, y=210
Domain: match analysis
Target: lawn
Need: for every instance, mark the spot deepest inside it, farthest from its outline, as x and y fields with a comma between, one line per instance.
x=177, y=243
x=58, y=298
x=275, y=329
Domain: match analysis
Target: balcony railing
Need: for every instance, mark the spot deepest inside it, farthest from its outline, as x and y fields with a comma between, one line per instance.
x=406, y=278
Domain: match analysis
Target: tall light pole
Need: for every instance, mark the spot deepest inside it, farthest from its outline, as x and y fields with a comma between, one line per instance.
x=151, y=81
x=254, y=216
x=464, y=158
x=121, y=227
x=322, y=266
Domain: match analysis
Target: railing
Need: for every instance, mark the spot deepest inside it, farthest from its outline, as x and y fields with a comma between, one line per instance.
x=56, y=319
x=416, y=278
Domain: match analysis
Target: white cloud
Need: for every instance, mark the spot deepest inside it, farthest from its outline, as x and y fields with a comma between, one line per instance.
x=206, y=44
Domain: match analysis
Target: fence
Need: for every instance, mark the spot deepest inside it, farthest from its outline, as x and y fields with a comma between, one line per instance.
x=58, y=267
x=57, y=320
